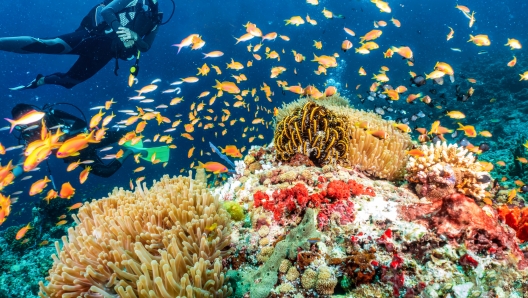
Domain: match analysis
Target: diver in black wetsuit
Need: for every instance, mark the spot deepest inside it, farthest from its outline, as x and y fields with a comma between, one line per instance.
x=72, y=126
x=113, y=29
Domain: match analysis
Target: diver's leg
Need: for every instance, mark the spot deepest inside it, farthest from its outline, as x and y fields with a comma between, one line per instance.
x=110, y=138
x=32, y=45
x=84, y=68
x=98, y=168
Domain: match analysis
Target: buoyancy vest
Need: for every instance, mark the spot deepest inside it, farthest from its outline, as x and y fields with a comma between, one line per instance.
x=140, y=16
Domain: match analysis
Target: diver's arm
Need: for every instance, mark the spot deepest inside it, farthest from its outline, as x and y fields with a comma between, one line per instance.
x=109, y=13
x=145, y=43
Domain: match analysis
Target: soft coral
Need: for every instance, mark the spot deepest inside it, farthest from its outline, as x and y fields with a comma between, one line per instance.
x=517, y=219
x=332, y=201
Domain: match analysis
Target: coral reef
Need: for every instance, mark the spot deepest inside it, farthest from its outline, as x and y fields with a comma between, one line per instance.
x=462, y=221
x=445, y=169
x=165, y=241
x=328, y=231
x=329, y=131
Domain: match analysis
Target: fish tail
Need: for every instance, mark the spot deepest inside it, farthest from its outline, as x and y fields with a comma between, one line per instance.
x=179, y=47
x=12, y=124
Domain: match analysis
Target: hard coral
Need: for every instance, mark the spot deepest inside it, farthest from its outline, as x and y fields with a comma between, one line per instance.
x=460, y=219
x=517, y=219
x=446, y=169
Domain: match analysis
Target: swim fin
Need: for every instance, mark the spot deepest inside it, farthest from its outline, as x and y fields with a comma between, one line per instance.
x=33, y=85
x=162, y=152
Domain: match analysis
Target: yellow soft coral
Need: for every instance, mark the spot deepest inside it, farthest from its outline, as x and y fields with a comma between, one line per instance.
x=155, y=242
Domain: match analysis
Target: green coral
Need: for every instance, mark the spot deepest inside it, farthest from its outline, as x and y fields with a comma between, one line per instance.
x=235, y=210
x=267, y=274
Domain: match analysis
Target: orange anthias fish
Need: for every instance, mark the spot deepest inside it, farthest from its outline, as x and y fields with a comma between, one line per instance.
x=187, y=41
x=22, y=232
x=38, y=186
x=5, y=208
x=227, y=86
x=75, y=206
x=212, y=166
x=52, y=194
x=405, y=52
x=512, y=62
x=71, y=147
x=469, y=130
x=480, y=40
x=28, y=118
x=371, y=35
x=96, y=119
x=67, y=191
x=84, y=174
x=232, y=151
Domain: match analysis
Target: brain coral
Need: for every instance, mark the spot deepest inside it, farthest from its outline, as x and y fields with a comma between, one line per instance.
x=446, y=169
x=166, y=241
x=331, y=131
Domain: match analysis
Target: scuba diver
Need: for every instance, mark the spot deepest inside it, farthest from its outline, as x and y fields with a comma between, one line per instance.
x=72, y=126
x=117, y=29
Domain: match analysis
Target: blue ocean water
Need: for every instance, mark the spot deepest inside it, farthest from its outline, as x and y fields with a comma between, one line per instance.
x=424, y=26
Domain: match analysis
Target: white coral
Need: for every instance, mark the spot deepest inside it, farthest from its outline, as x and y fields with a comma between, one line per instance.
x=469, y=172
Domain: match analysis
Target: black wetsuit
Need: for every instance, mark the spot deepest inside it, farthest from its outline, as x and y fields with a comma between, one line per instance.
x=95, y=41
x=72, y=126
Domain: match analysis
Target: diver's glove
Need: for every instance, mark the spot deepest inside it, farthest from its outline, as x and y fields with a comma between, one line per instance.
x=126, y=35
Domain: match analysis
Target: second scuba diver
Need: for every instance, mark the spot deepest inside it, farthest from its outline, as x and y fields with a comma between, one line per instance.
x=73, y=126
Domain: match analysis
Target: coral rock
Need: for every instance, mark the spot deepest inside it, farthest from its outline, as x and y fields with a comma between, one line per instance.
x=460, y=219
x=445, y=169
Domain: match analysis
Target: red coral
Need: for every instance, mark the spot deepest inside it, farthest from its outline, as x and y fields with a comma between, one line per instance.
x=357, y=189
x=467, y=260
x=334, y=201
x=260, y=198
x=460, y=219
x=338, y=190
x=517, y=219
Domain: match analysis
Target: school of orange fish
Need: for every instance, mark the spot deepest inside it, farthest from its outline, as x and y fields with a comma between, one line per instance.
x=202, y=112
